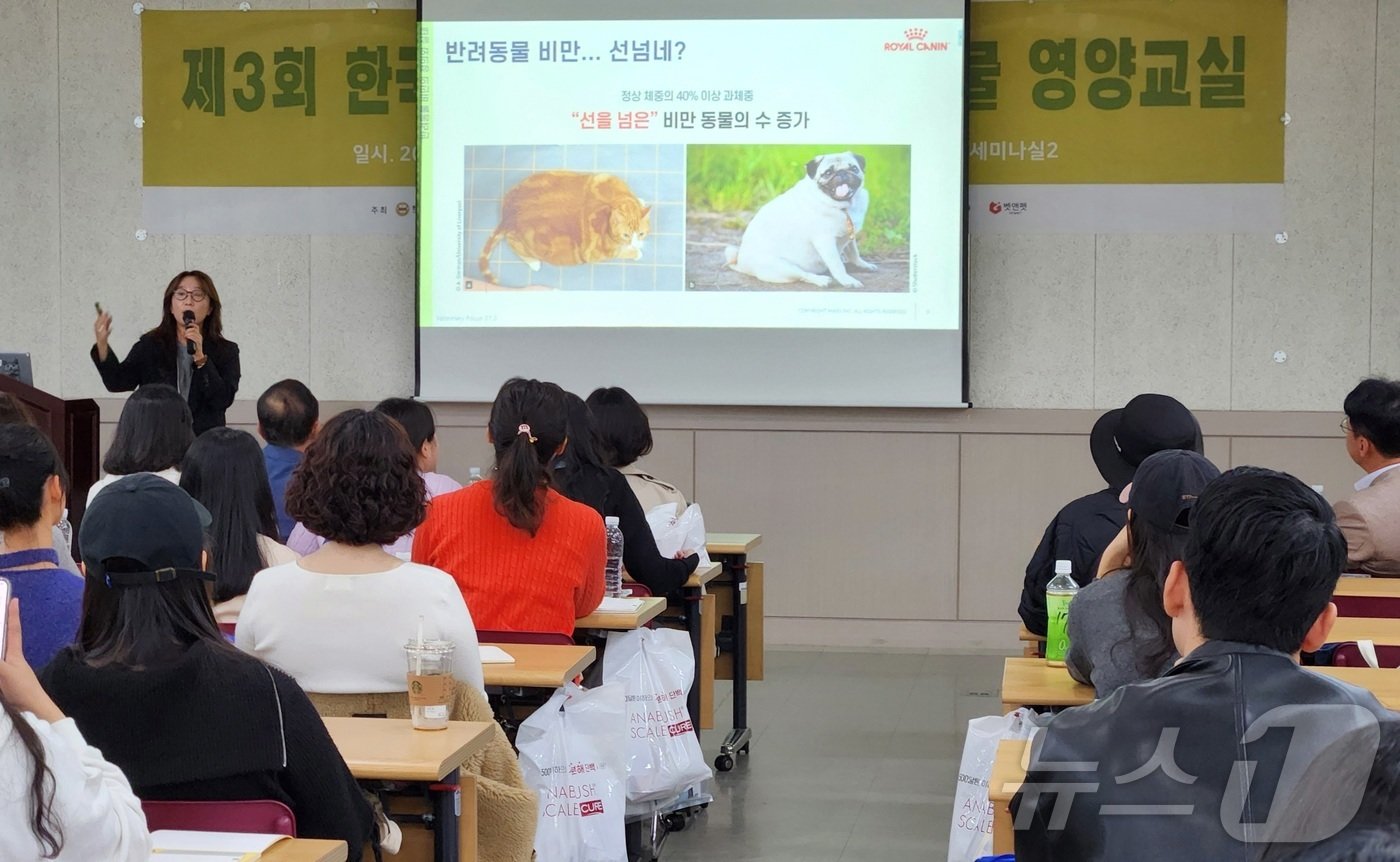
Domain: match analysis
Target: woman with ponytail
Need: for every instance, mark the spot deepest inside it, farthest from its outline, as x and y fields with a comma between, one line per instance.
x=526, y=557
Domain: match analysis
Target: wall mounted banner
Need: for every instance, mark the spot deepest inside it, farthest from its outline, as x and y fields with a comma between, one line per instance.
x=1086, y=116
x=282, y=122
x=1127, y=116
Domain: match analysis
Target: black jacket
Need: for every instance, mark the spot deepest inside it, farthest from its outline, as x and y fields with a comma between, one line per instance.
x=215, y=724
x=1080, y=533
x=606, y=491
x=1199, y=723
x=152, y=361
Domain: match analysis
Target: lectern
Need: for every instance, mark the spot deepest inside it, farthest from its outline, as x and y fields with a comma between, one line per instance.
x=73, y=428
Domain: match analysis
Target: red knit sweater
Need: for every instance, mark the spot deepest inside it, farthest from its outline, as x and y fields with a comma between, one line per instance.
x=511, y=581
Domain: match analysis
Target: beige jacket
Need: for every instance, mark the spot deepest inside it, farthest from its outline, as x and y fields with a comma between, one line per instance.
x=651, y=491
x=1370, y=520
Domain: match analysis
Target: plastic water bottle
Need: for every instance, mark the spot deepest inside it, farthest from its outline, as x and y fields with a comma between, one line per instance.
x=612, y=573
x=474, y=476
x=1058, y=594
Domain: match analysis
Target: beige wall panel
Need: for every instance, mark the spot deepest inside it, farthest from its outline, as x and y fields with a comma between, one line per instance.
x=1385, y=280
x=29, y=311
x=1031, y=320
x=99, y=86
x=362, y=302
x=1012, y=485
x=1162, y=319
x=672, y=459
x=461, y=448
x=1316, y=461
x=1311, y=297
x=854, y=525
x=264, y=285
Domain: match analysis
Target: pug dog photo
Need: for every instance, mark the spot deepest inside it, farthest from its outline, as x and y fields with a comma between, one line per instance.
x=808, y=233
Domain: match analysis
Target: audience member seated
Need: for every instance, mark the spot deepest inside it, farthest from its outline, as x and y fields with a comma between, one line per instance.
x=62, y=800
x=580, y=475
x=1118, y=631
x=1120, y=441
x=32, y=480
x=224, y=471
x=417, y=420
x=337, y=620
x=1370, y=519
x=153, y=684
x=526, y=557
x=153, y=434
x=13, y=412
x=1262, y=558
x=624, y=435
x=288, y=415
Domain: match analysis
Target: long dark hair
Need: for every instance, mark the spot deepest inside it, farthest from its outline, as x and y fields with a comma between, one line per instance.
x=167, y=330
x=138, y=626
x=153, y=434
x=42, y=821
x=580, y=473
x=224, y=471
x=1153, y=552
x=524, y=457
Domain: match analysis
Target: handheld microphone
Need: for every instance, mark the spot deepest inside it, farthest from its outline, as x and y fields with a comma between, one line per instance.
x=189, y=321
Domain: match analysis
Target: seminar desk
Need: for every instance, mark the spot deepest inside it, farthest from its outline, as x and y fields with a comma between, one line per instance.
x=1032, y=682
x=288, y=850
x=389, y=749
x=538, y=665
x=700, y=623
x=1385, y=631
x=650, y=609
x=732, y=550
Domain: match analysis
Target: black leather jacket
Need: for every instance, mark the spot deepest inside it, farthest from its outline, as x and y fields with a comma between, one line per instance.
x=1125, y=761
x=151, y=361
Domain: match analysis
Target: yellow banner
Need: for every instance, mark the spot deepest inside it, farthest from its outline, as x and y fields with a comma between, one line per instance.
x=285, y=98
x=1127, y=91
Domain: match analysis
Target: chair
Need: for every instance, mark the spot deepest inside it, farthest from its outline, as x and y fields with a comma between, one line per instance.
x=228, y=629
x=638, y=591
x=267, y=816
x=504, y=637
x=1348, y=654
x=1367, y=606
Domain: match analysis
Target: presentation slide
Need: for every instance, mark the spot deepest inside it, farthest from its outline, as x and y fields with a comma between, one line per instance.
x=770, y=173
x=740, y=202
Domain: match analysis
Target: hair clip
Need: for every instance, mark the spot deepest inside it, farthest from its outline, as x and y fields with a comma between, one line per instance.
x=525, y=429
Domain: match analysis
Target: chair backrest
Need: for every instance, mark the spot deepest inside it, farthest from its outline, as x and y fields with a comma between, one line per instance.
x=1367, y=606
x=387, y=704
x=638, y=591
x=228, y=629
x=504, y=637
x=1348, y=654
x=255, y=815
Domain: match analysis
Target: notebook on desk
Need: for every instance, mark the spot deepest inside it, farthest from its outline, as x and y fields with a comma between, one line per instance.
x=495, y=655
x=176, y=845
x=610, y=605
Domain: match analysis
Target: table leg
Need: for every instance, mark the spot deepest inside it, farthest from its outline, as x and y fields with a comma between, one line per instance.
x=693, y=596
x=737, y=742
x=447, y=805
x=468, y=826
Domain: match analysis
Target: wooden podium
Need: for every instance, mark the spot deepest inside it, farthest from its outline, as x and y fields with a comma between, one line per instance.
x=73, y=428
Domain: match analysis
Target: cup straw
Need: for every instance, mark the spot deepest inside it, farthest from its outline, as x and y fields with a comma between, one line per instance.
x=419, y=658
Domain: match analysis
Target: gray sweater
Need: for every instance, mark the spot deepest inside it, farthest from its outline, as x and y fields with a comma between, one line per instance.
x=1103, y=646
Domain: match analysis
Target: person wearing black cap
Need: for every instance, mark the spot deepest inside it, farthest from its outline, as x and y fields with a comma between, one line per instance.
x=1118, y=631
x=153, y=684
x=1203, y=762
x=1121, y=440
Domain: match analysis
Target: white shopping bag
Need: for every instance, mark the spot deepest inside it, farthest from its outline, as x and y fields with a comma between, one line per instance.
x=682, y=533
x=656, y=668
x=573, y=755
x=970, y=836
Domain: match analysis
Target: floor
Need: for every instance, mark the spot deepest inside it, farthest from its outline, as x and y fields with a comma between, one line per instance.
x=854, y=758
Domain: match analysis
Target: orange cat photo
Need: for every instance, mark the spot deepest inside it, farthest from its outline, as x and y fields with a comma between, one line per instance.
x=568, y=218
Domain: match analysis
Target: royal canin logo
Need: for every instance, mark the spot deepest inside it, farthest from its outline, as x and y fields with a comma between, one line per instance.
x=915, y=40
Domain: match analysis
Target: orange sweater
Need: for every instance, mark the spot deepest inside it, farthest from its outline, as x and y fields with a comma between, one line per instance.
x=513, y=582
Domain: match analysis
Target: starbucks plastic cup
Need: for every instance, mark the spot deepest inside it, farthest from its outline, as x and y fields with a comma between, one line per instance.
x=430, y=683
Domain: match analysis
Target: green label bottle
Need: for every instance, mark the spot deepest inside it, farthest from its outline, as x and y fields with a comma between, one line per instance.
x=1058, y=594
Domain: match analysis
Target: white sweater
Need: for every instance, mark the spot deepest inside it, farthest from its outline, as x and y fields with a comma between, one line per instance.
x=100, y=817
x=345, y=634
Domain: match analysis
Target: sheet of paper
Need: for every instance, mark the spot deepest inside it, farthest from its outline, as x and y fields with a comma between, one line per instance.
x=495, y=655
x=611, y=605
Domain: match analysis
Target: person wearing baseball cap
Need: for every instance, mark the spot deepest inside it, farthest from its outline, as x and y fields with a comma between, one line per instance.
x=154, y=685
x=1120, y=440
x=1118, y=631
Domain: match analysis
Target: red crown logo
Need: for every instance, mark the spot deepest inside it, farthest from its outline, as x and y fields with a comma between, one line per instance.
x=916, y=34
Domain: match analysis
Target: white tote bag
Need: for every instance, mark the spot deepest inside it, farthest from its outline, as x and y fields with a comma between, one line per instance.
x=573, y=755
x=656, y=668
x=970, y=836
